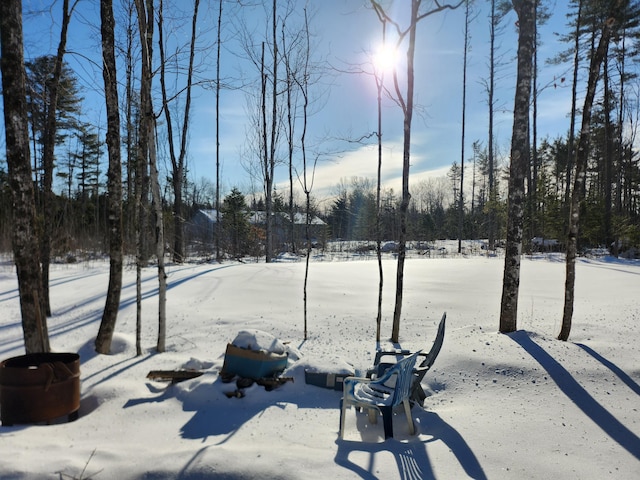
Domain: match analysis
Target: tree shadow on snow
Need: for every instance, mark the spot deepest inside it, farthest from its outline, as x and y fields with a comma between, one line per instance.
x=579, y=396
x=621, y=374
x=412, y=457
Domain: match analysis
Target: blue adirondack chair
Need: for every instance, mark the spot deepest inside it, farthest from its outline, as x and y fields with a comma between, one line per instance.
x=385, y=359
x=381, y=394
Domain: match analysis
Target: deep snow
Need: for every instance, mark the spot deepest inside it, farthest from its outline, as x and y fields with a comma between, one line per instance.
x=520, y=406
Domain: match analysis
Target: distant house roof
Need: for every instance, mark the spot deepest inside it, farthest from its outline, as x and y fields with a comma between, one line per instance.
x=257, y=217
x=210, y=214
x=301, y=219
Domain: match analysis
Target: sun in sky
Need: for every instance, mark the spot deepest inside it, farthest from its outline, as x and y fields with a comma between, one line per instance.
x=385, y=58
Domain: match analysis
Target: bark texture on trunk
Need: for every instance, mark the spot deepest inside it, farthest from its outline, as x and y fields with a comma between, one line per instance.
x=519, y=166
x=24, y=240
x=114, y=180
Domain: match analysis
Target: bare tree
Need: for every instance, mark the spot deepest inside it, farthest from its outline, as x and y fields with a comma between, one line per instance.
x=574, y=95
x=307, y=183
x=541, y=15
x=268, y=107
x=147, y=156
x=131, y=112
x=218, y=48
x=581, y=157
x=498, y=10
x=290, y=72
x=136, y=162
x=25, y=246
x=405, y=100
x=379, y=78
x=467, y=13
x=48, y=154
x=178, y=156
x=270, y=145
x=112, y=304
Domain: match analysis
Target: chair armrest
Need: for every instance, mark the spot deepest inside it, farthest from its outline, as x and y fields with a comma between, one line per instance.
x=349, y=383
x=357, y=380
x=395, y=355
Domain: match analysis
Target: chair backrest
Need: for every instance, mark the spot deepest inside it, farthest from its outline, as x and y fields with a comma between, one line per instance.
x=437, y=344
x=403, y=371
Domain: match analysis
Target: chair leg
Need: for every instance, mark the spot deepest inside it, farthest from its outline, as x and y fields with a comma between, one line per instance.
x=417, y=395
x=387, y=420
x=342, y=413
x=407, y=412
x=373, y=416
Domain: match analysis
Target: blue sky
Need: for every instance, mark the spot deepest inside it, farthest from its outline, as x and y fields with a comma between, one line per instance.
x=347, y=33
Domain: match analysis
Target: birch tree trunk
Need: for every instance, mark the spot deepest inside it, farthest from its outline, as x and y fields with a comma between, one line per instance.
x=114, y=180
x=25, y=245
x=519, y=166
x=147, y=152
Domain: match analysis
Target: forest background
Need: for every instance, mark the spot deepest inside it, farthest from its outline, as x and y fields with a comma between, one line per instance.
x=345, y=39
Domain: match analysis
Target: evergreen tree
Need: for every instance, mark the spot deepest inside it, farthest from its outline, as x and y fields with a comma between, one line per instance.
x=235, y=223
x=38, y=82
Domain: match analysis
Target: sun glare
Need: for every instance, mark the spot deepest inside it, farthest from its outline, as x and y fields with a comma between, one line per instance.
x=385, y=59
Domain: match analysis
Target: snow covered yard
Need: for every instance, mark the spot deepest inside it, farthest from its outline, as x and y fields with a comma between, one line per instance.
x=521, y=406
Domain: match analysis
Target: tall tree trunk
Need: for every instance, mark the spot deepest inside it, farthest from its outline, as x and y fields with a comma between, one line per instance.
x=24, y=240
x=290, y=126
x=380, y=87
x=462, y=133
x=218, y=49
x=130, y=215
x=581, y=158
x=307, y=184
x=148, y=156
x=114, y=180
x=533, y=170
x=491, y=166
x=379, y=78
x=177, y=181
x=572, y=127
x=48, y=157
x=406, y=103
x=137, y=165
x=519, y=165
x=273, y=140
x=159, y=239
x=406, y=162
x=268, y=179
x=620, y=123
x=608, y=159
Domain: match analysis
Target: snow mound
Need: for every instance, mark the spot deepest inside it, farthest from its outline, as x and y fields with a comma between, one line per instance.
x=326, y=364
x=258, y=341
x=196, y=364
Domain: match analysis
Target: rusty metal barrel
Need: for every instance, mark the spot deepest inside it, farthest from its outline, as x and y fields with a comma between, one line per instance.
x=39, y=387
